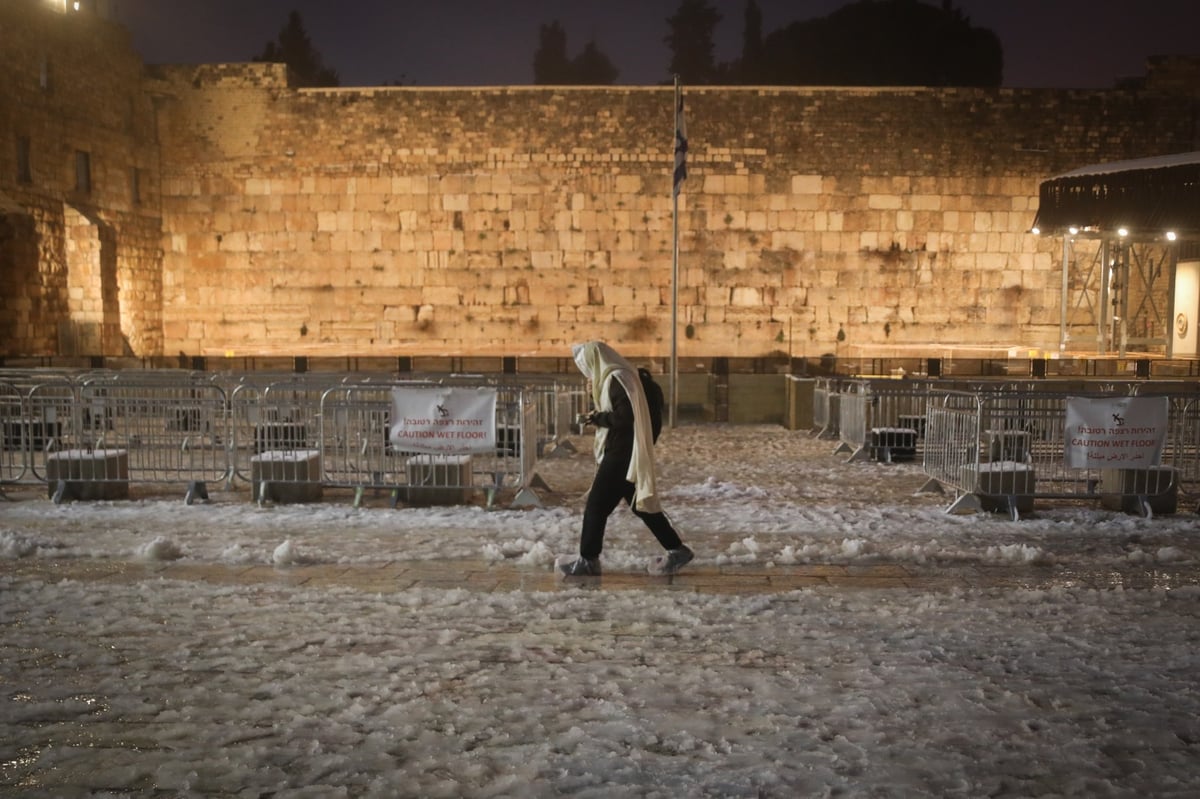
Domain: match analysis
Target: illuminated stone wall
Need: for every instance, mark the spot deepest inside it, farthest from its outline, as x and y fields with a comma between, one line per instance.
x=516, y=220
x=80, y=234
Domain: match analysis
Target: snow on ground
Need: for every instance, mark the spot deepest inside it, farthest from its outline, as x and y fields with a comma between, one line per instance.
x=120, y=687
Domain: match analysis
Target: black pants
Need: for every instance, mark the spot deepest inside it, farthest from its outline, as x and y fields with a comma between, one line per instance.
x=609, y=487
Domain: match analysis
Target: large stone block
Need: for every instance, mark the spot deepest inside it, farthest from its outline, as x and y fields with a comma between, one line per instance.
x=286, y=476
x=799, y=402
x=438, y=479
x=756, y=399
x=88, y=474
x=995, y=483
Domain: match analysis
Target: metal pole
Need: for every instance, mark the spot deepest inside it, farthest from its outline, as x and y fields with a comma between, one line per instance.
x=1066, y=287
x=1173, y=254
x=1104, y=312
x=674, y=269
x=1122, y=331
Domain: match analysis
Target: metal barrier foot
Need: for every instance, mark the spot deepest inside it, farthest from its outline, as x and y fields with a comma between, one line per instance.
x=62, y=493
x=967, y=503
x=197, y=489
x=1144, y=507
x=526, y=498
x=932, y=486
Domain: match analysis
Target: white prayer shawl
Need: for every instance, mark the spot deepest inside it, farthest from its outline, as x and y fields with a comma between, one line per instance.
x=600, y=363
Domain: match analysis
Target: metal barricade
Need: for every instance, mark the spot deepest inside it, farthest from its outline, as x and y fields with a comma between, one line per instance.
x=825, y=407
x=883, y=419
x=853, y=402
x=952, y=429
x=155, y=428
x=1002, y=449
x=281, y=418
x=18, y=429
x=28, y=429
x=559, y=404
x=53, y=409
x=356, y=451
x=1185, y=446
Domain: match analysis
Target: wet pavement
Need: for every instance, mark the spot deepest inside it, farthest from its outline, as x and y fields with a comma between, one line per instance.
x=482, y=575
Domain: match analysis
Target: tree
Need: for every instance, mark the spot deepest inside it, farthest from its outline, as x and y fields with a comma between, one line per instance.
x=594, y=68
x=691, y=42
x=551, y=66
x=550, y=63
x=750, y=67
x=885, y=43
x=295, y=48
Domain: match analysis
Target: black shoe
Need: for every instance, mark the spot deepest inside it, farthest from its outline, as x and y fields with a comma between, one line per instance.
x=578, y=567
x=673, y=561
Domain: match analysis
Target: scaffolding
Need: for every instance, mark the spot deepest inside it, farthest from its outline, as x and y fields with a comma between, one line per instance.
x=1122, y=226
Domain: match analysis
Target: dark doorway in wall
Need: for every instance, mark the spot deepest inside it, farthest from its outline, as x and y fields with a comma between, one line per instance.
x=93, y=322
x=20, y=304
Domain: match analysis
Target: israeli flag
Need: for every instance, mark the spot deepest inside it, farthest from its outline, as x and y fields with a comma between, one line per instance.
x=680, y=144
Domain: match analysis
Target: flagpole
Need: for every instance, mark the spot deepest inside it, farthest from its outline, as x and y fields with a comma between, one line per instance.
x=680, y=151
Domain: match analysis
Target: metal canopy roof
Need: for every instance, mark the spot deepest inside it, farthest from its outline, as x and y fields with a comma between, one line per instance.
x=1149, y=197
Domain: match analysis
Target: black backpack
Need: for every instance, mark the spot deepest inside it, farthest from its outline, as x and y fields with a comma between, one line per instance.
x=654, y=399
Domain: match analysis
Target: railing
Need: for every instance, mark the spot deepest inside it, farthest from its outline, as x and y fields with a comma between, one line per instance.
x=882, y=418
x=1002, y=450
x=1001, y=444
x=92, y=434
x=825, y=407
x=356, y=452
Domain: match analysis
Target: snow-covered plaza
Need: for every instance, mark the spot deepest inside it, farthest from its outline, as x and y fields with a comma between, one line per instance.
x=839, y=634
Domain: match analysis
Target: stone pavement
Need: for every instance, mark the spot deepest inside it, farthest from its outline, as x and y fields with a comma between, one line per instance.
x=480, y=575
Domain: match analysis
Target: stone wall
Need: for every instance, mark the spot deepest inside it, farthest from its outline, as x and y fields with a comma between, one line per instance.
x=516, y=220
x=80, y=249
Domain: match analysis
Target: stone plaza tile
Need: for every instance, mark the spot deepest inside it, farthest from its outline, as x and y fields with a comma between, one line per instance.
x=488, y=577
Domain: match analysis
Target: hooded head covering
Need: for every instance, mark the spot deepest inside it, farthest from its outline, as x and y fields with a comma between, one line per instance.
x=601, y=364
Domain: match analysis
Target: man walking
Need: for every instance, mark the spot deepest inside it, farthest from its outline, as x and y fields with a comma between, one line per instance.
x=626, y=428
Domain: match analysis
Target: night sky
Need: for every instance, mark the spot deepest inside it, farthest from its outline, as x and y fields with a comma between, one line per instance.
x=1047, y=43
